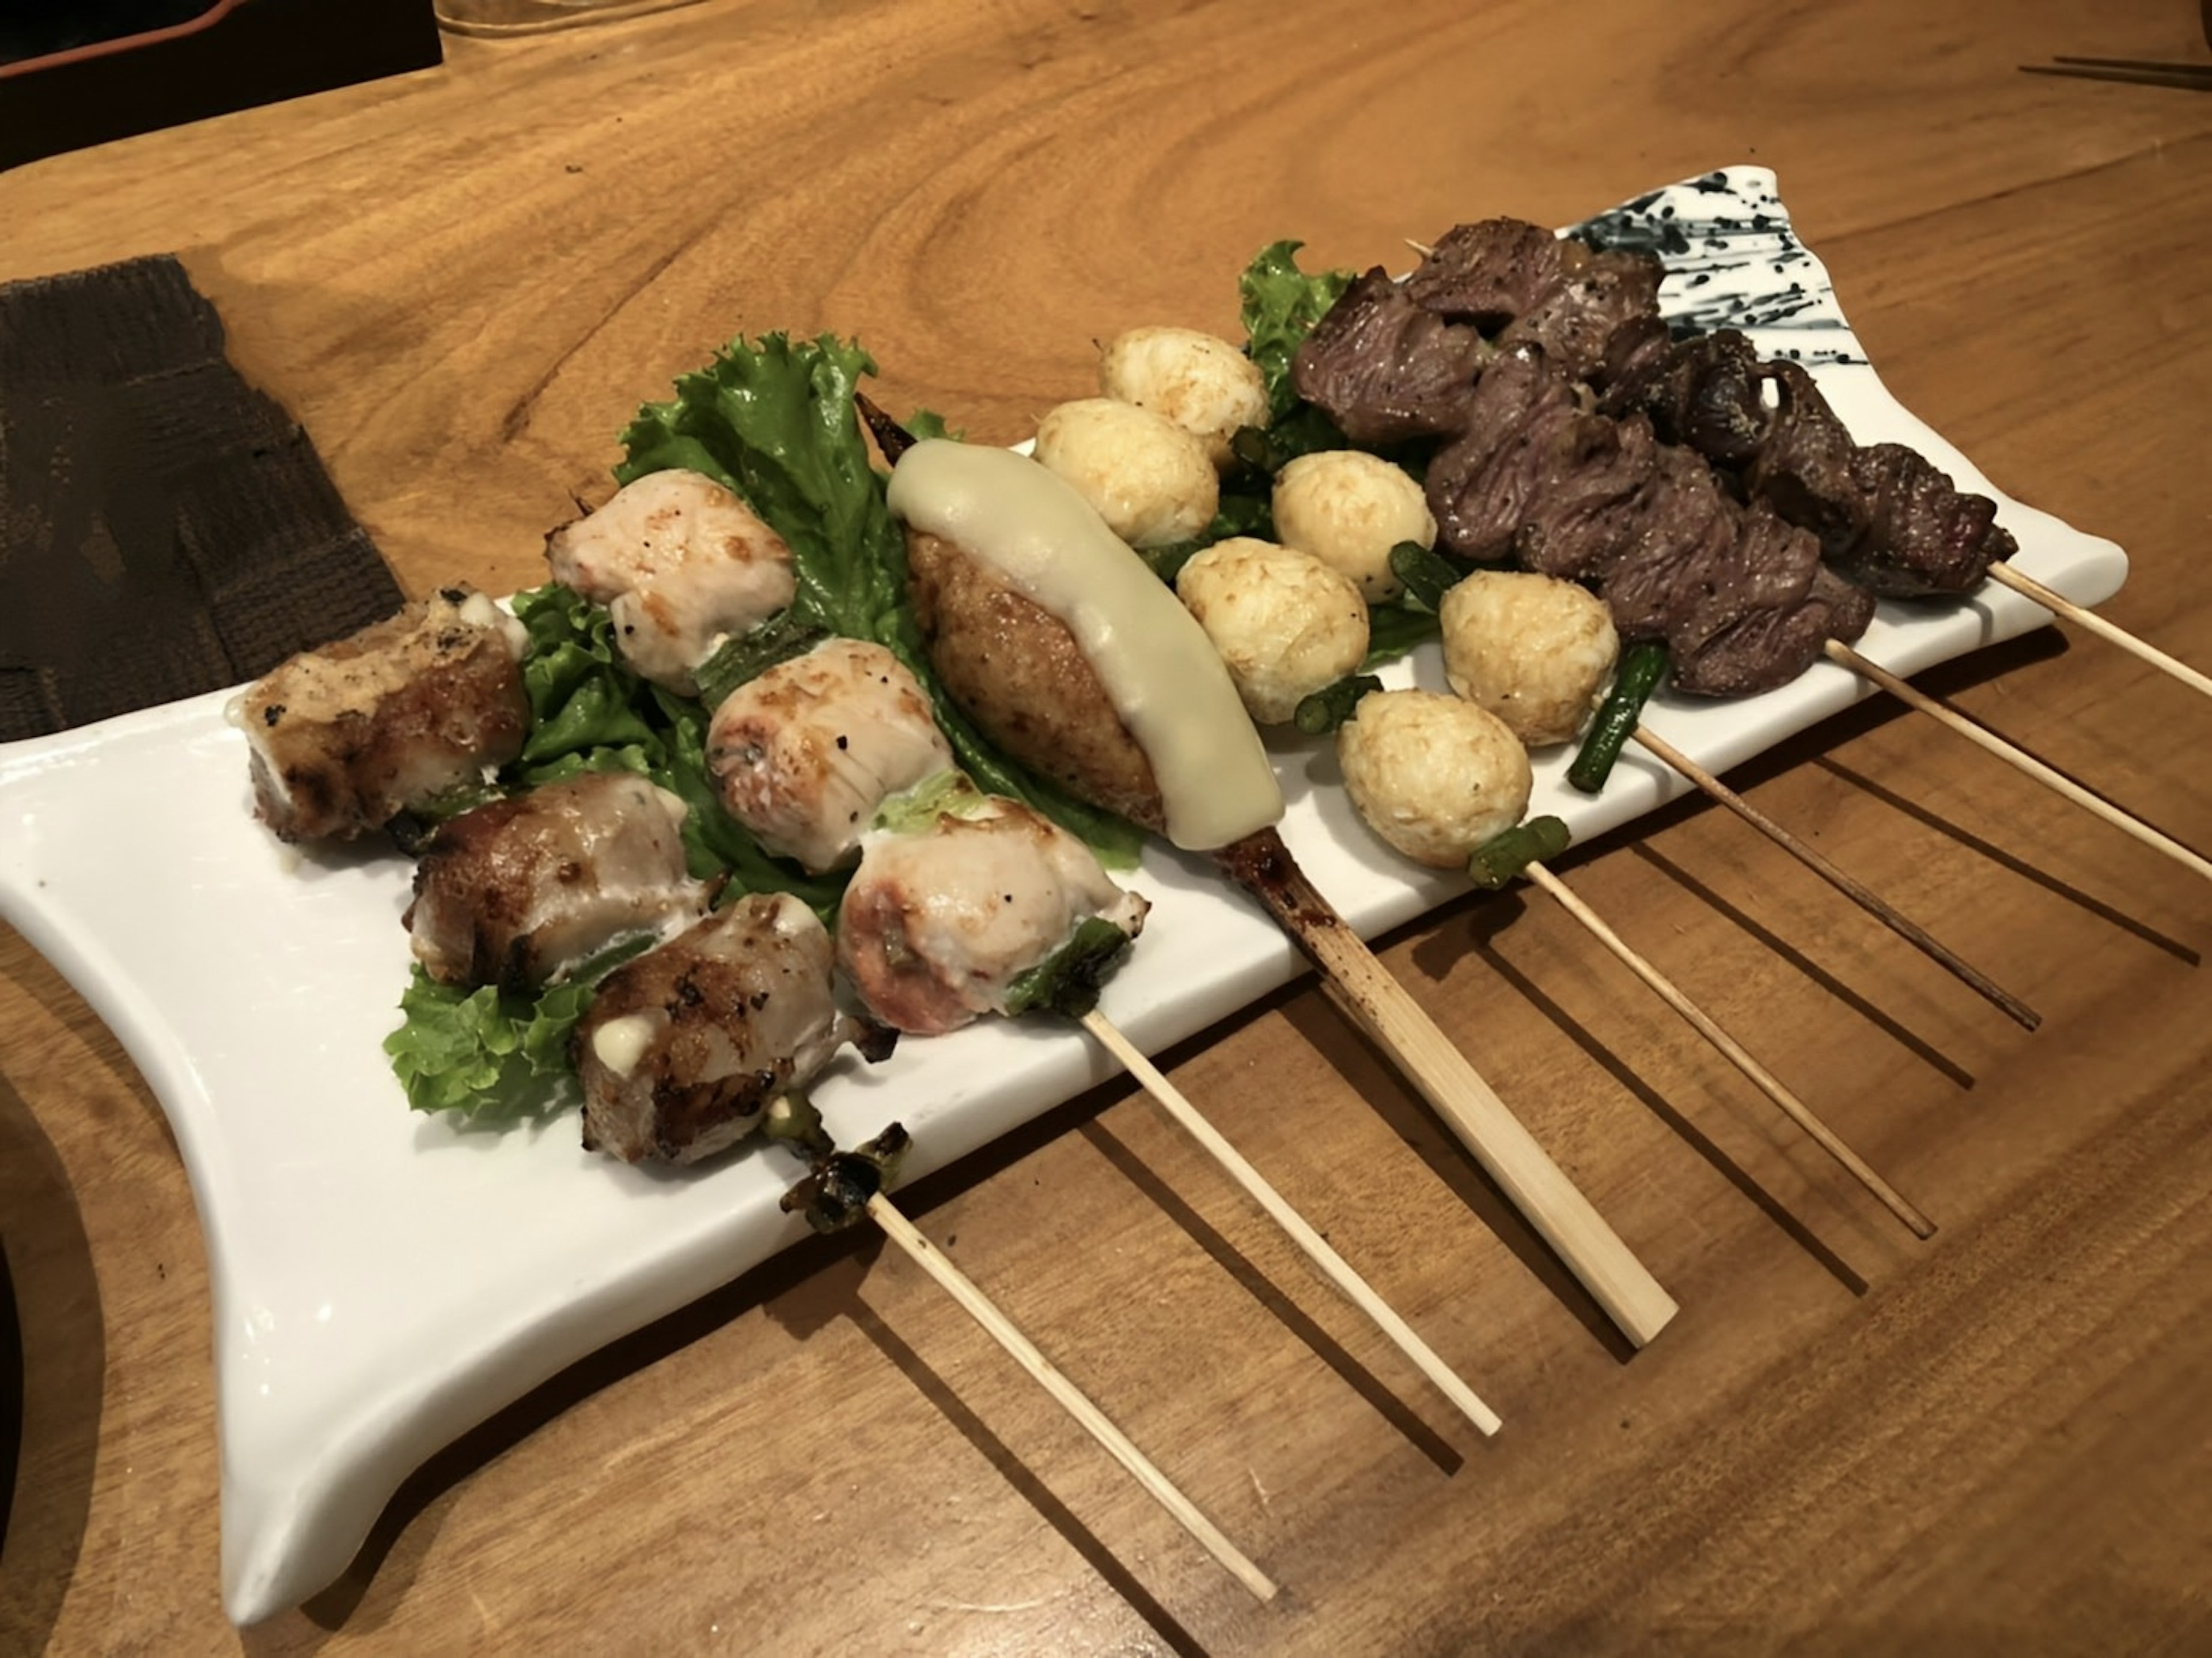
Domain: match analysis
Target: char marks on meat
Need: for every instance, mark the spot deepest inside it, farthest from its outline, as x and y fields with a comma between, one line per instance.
x=513, y=892
x=684, y=1047
x=1536, y=476
x=1385, y=369
x=1490, y=272
x=1886, y=516
x=1597, y=296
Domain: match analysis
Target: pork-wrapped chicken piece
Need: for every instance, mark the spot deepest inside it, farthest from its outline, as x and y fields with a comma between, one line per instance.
x=805, y=753
x=343, y=738
x=680, y=564
x=685, y=1047
x=945, y=914
x=513, y=892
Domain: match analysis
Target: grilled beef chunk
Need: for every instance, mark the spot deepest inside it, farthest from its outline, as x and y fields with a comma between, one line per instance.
x=1886, y=517
x=1489, y=273
x=1768, y=648
x=1922, y=535
x=1702, y=393
x=1536, y=476
x=1383, y=369
x=1597, y=296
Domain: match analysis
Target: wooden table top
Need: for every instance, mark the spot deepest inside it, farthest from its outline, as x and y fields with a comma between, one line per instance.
x=463, y=281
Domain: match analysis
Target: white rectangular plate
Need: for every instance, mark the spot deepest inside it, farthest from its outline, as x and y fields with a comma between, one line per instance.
x=384, y=1281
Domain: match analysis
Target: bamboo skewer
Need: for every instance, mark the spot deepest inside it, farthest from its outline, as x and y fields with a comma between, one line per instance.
x=1795, y=1108
x=978, y=1306
x=1591, y=1250
x=1857, y=892
x=1333, y=1265
x=2028, y=585
x=1984, y=739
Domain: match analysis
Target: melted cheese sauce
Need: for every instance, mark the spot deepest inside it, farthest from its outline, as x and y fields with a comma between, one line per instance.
x=1157, y=666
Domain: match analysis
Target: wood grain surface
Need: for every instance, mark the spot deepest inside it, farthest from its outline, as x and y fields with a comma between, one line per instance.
x=462, y=282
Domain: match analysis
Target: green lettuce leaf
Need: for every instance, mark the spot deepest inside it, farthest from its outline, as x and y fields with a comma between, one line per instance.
x=492, y=1057
x=774, y=420
x=1281, y=304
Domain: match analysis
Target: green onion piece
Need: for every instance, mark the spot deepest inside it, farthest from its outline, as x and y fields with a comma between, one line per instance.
x=1068, y=979
x=835, y=1195
x=1330, y=706
x=1497, y=861
x=749, y=655
x=1641, y=667
x=1428, y=576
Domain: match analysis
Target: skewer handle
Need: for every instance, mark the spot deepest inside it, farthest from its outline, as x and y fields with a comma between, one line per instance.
x=980, y=1307
x=1333, y=1265
x=1911, y=931
x=1535, y=1186
x=2004, y=575
x=1984, y=739
x=1795, y=1108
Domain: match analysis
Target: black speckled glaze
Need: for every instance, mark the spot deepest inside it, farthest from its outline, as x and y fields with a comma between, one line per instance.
x=1733, y=261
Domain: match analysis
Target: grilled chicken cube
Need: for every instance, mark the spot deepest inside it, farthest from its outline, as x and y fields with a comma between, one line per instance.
x=685, y=1047
x=937, y=925
x=681, y=565
x=513, y=892
x=343, y=738
x=804, y=754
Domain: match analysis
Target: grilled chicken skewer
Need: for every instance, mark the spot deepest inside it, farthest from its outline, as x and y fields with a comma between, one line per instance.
x=1026, y=677
x=960, y=899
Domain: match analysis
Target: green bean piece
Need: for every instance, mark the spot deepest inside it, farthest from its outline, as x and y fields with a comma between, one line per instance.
x=1641, y=667
x=749, y=655
x=836, y=1194
x=1428, y=576
x=1068, y=979
x=1331, y=706
x=1494, y=864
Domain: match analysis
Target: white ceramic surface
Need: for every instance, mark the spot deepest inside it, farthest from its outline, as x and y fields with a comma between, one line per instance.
x=383, y=1281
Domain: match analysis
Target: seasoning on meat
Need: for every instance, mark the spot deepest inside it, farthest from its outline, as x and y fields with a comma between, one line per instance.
x=343, y=738
x=685, y=1048
x=945, y=914
x=512, y=893
x=681, y=565
x=804, y=753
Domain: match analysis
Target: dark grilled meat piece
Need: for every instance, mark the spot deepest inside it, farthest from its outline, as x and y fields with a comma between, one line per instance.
x=686, y=1046
x=1767, y=649
x=1384, y=368
x=343, y=738
x=512, y=893
x=1597, y=294
x=1489, y=272
x=1019, y=673
x=1537, y=477
x=1703, y=394
x=1921, y=534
